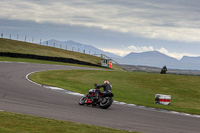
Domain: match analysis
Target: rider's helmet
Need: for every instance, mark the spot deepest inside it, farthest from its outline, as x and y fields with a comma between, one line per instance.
x=106, y=82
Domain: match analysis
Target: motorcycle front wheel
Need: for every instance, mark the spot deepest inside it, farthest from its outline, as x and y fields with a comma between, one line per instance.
x=82, y=100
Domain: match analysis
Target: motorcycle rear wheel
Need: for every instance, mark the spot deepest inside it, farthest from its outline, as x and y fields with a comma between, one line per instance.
x=106, y=102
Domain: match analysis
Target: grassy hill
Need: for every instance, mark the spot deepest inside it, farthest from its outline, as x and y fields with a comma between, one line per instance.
x=13, y=46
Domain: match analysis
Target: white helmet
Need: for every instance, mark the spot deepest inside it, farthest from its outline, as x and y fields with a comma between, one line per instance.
x=106, y=82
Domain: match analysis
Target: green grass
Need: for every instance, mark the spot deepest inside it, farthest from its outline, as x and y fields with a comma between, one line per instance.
x=131, y=87
x=18, y=123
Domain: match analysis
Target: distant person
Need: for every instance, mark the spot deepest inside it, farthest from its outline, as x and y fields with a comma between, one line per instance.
x=163, y=70
x=110, y=65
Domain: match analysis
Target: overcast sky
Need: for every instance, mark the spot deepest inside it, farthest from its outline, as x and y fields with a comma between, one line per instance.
x=119, y=26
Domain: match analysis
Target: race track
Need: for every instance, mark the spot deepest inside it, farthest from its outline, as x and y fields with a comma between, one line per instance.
x=19, y=95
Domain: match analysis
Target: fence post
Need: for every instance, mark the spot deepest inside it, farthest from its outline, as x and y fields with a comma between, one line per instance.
x=40, y=41
x=17, y=37
x=10, y=36
x=1, y=35
x=25, y=39
x=66, y=47
x=47, y=43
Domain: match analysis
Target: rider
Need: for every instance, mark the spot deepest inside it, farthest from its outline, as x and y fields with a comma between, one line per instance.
x=107, y=89
x=163, y=70
x=106, y=86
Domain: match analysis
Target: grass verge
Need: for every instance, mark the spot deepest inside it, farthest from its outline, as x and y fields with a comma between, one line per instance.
x=131, y=87
x=18, y=123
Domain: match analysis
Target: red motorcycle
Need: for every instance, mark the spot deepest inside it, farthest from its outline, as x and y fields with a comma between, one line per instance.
x=97, y=97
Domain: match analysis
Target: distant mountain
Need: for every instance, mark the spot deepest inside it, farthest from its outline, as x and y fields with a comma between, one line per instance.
x=151, y=58
x=78, y=47
x=157, y=59
x=187, y=59
x=191, y=62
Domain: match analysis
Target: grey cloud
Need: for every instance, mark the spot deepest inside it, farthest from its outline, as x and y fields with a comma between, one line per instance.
x=147, y=18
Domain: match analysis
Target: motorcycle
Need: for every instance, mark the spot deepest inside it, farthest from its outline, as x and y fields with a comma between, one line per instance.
x=163, y=71
x=97, y=97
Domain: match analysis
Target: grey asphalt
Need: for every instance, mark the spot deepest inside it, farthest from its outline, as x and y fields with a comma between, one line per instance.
x=19, y=95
